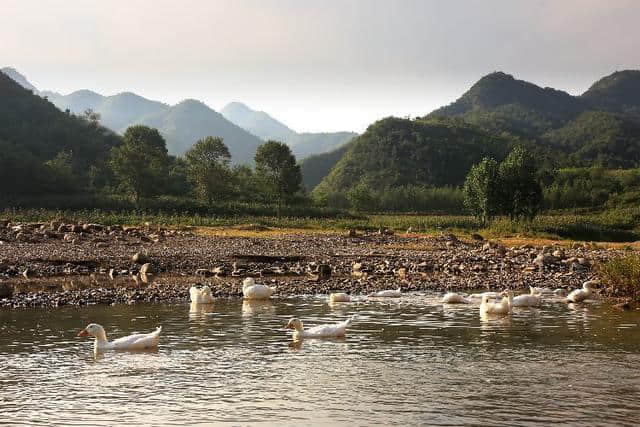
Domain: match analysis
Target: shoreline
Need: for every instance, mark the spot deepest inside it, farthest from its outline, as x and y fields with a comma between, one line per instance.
x=60, y=263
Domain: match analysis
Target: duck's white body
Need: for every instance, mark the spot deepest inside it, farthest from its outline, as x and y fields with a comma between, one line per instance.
x=253, y=290
x=560, y=292
x=535, y=290
x=321, y=331
x=502, y=307
x=339, y=297
x=132, y=342
x=201, y=296
x=453, y=298
x=579, y=295
x=488, y=294
x=389, y=293
x=527, y=300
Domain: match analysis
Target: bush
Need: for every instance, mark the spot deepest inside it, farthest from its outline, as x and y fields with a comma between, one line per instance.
x=620, y=277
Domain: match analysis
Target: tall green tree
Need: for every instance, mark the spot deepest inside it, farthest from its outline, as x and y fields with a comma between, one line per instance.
x=521, y=191
x=481, y=190
x=278, y=172
x=141, y=162
x=208, y=168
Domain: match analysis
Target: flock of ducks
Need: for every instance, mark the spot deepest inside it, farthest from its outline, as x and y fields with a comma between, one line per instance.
x=489, y=305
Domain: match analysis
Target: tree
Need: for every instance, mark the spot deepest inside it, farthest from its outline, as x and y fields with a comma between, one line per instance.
x=62, y=177
x=141, y=162
x=208, y=168
x=481, y=190
x=520, y=189
x=277, y=170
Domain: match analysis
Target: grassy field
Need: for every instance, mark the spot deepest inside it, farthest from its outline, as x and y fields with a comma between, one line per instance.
x=614, y=226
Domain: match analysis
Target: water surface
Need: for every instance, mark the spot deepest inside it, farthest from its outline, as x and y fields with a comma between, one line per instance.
x=404, y=361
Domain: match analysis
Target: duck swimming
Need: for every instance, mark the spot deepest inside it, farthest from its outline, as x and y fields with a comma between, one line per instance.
x=579, y=295
x=201, y=296
x=453, y=298
x=253, y=290
x=339, y=297
x=388, y=293
x=320, y=331
x=132, y=342
x=502, y=307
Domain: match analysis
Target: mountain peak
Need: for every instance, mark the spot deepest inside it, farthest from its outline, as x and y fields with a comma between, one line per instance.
x=619, y=91
x=19, y=78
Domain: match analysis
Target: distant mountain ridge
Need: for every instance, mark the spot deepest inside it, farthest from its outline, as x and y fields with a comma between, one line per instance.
x=266, y=127
x=181, y=124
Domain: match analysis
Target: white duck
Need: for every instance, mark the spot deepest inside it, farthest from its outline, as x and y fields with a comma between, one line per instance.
x=453, y=298
x=502, y=307
x=482, y=294
x=253, y=290
x=339, y=297
x=201, y=296
x=320, y=331
x=388, y=293
x=131, y=342
x=579, y=295
x=531, y=299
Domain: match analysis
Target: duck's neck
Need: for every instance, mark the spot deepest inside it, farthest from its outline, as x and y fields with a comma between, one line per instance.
x=101, y=338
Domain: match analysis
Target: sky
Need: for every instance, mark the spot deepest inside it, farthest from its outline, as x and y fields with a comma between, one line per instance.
x=322, y=65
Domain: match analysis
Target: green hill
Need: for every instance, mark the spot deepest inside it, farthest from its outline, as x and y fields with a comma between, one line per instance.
x=618, y=92
x=596, y=138
x=398, y=152
x=315, y=168
x=33, y=131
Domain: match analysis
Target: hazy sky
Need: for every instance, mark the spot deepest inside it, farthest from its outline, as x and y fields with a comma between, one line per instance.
x=316, y=65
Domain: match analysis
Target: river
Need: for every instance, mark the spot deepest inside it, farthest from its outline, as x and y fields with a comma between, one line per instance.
x=407, y=361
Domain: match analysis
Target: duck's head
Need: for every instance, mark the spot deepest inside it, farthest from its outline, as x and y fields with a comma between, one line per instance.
x=206, y=290
x=294, y=323
x=94, y=330
x=507, y=293
x=249, y=281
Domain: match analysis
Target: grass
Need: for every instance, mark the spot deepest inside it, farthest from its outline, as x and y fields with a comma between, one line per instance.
x=618, y=226
x=620, y=277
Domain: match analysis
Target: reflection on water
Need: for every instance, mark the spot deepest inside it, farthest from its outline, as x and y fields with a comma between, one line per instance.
x=404, y=361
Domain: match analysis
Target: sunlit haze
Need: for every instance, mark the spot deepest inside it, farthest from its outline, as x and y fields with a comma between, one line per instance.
x=316, y=66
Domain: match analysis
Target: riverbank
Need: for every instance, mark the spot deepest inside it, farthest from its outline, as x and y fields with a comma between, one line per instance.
x=60, y=263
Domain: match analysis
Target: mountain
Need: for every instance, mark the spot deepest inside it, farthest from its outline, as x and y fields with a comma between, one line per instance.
x=396, y=152
x=185, y=123
x=42, y=148
x=266, y=127
x=19, y=78
x=258, y=123
x=181, y=124
x=618, y=92
x=599, y=138
x=314, y=168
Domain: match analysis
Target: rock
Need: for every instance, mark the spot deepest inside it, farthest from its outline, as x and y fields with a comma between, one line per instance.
x=147, y=268
x=4, y=223
x=401, y=272
x=558, y=253
x=544, y=259
x=101, y=245
x=204, y=272
x=356, y=266
x=6, y=291
x=140, y=258
x=476, y=236
x=324, y=271
x=486, y=247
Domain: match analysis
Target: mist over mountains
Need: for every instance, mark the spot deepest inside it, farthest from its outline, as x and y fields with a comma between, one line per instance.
x=184, y=123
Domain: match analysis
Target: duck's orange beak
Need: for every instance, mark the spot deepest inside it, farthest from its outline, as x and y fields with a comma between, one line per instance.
x=82, y=333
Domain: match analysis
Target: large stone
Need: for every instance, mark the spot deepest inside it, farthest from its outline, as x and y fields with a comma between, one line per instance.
x=6, y=291
x=140, y=258
x=147, y=268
